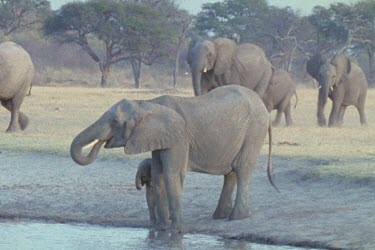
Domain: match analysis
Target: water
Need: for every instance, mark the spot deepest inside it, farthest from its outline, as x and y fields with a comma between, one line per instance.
x=32, y=235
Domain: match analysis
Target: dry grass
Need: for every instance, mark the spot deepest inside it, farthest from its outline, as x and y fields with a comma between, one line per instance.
x=57, y=114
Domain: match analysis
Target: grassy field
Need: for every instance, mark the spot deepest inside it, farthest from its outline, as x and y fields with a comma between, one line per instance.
x=57, y=114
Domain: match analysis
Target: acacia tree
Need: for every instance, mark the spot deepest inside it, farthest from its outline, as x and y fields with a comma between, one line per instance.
x=243, y=18
x=346, y=27
x=21, y=14
x=127, y=31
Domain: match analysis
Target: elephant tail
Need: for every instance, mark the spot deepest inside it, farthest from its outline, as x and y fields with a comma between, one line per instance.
x=269, y=167
x=295, y=93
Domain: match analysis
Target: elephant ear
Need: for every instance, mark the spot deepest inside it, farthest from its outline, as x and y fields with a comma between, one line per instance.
x=343, y=67
x=313, y=65
x=154, y=127
x=225, y=53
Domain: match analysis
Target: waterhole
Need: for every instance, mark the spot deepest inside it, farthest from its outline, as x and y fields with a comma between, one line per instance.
x=35, y=235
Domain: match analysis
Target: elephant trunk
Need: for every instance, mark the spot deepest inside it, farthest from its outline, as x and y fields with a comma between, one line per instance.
x=196, y=74
x=138, y=179
x=323, y=96
x=93, y=136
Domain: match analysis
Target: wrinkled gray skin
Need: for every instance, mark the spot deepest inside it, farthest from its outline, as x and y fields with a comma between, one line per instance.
x=343, y=82
x=279, y=96
x=222, y=62
x=16, y=74
x=219, y=133
x=143, y=177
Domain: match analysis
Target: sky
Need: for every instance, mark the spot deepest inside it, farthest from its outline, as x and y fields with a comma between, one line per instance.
x=305, y=6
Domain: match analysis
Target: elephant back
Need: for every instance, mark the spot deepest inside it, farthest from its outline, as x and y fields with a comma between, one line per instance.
x=16, y=69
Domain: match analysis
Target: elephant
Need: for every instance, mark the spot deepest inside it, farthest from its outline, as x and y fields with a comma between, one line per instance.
x=278, y=96
x=343, y=82
x=143, y=177
x=219, y=133
x=223, y=62
x=16, y=75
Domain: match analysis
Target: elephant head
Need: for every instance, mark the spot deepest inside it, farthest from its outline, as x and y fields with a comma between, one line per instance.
x=138, y=126
x=208, y=58
x=329, y=74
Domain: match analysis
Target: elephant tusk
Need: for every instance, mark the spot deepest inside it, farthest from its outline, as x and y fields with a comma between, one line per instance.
x=91, y=144
x=320, y=86
x=204, y=70
x=332, y=88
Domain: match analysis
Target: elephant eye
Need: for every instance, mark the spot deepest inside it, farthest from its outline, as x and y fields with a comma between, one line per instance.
x=115, y=122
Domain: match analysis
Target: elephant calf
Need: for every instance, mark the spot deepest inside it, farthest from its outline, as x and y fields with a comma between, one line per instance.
x=143, y=177
x=278, y=96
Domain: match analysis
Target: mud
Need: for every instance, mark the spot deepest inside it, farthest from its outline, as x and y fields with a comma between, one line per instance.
x=311, y=211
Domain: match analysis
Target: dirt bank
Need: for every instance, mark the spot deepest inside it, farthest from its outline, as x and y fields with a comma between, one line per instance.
x=311, y=211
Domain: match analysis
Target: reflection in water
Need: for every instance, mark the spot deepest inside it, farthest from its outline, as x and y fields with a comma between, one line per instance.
x=31, y=235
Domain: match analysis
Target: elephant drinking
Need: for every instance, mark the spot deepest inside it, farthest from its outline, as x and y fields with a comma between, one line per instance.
x=219, y=133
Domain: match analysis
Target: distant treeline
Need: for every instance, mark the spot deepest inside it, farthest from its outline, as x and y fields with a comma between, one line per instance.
x=152, y=35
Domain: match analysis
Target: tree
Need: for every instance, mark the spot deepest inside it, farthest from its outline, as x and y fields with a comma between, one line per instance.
x=127, y=31
x=232, y=17
x=346, y=27
x=21, y=14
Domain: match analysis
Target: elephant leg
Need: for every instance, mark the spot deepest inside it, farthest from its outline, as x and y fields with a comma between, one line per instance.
x=247, y=162
x=18, y=120
x=174, y=161
x=241, y=206
x=150, y=198
x=161, y=200
x=340, y=117
x=288, y=114
x=336, y=104
x=224, y=206
x=277, y=120
x=361, y=110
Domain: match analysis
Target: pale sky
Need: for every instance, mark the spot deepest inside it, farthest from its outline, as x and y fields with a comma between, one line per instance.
x=193, y=6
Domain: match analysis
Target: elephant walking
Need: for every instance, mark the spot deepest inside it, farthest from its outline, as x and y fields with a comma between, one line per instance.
x=343, y=82
x=278, y=96
x=220, y=133
x=16, y=74
x=223, y=62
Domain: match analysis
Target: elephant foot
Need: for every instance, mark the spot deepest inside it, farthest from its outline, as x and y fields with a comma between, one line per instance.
x=24, y=122
x=176, y=229
x=222, y=213
x=161, y=226
x=12, y=129
x=238, y=214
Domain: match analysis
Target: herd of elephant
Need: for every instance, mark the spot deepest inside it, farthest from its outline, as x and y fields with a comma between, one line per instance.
x=220, y=131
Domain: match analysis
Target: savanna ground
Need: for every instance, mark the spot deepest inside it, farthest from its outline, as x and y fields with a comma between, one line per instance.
x=326, y=175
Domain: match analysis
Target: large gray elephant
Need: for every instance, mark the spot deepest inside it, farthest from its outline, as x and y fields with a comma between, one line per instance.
x=16, y=74
x=343, y=82
x=279, y=96
x=222, y=62
x=218, y=133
